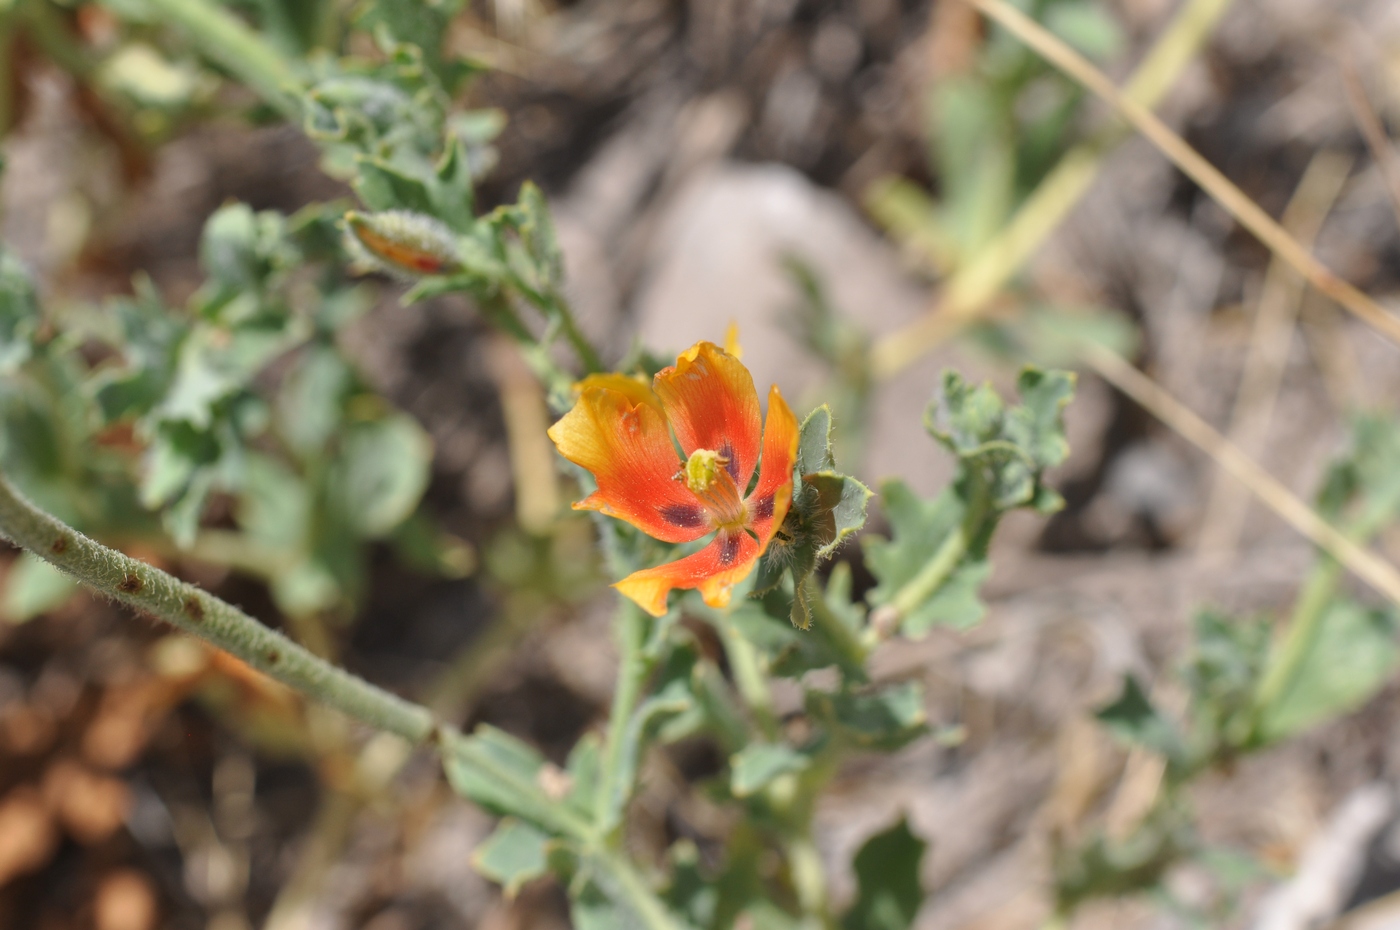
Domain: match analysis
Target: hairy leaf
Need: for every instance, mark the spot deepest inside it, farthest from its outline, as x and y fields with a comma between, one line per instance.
x=1350, y=659
x=757, y=764
x=887, y=873
x=1133, y=719
x=381, y=473
x=931, y=568
x=502, y=774
x=32, y=587
x=19, y=313
x=514, y=854
x=886, y=718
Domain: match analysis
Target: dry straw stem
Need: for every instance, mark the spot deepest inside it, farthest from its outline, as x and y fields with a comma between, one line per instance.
x=1234, y=200
x=1363, y=563
x=1373, y=130
x=531, y=453
x=1274, y=324
x=975, y=284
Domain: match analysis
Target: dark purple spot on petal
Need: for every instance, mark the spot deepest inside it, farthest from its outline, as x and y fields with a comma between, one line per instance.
x=684, y=515
x=763, y=508
x=728, y=548
x=727, y=450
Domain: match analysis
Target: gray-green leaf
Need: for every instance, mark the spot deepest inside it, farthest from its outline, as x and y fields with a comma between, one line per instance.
x=514, y=854
x=887, y=869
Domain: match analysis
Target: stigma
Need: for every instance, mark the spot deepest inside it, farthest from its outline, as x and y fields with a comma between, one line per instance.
x=707, y=476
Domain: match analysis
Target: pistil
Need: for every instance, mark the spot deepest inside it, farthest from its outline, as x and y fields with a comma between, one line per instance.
x=709, y=480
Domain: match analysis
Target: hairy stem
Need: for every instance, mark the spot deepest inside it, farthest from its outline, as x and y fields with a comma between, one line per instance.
x=247, y=56
x=932, y=576
x=586, y=353
x=200, y=614
x=809, y=877
x=841, y=637
x=1317, y=595
x=625, y=882
x=749, y=678
x=632, y=670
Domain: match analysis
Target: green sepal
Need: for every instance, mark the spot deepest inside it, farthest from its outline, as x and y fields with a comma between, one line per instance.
x=827, y=508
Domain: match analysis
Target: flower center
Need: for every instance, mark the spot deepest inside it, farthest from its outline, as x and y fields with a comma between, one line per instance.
x=708, y=478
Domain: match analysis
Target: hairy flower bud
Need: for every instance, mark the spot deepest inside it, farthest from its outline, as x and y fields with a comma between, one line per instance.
x=402, y=243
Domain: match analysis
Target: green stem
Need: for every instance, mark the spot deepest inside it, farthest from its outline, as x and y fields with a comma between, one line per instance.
x=200, y=614
x=1303, y=629
x=808, y=877
x=932, y=576
x=626, y=883
x=632, y=670
x=748, y=676
x=1305, y=624
x=949, y=555
x=587, y=354
x=842, y=638
x=227, y=40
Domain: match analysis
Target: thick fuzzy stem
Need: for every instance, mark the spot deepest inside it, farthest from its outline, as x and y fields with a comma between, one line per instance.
x=200, y=614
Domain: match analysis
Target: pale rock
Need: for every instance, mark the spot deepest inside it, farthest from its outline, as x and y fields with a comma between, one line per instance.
x=717, y=258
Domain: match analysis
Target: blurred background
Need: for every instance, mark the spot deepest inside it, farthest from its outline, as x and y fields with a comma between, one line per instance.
x=812, y=170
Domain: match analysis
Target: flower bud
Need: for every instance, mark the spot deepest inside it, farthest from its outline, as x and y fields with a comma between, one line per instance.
x=403, y=243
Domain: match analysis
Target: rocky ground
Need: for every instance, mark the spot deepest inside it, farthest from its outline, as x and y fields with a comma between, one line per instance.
x=686, y=148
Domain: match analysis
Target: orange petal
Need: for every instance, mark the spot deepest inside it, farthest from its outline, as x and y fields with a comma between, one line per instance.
x=731, y=340
x=636, y=388
x=626, y=445
x=711, y=402
x=725, y=562
x=772, y=496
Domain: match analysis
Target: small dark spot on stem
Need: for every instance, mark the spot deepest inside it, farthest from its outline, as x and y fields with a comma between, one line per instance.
x=131, y=584
x=194, y=609
x=60, y=545
x=273, y=657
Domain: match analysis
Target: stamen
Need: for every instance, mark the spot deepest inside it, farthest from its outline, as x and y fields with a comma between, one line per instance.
x=708, y=478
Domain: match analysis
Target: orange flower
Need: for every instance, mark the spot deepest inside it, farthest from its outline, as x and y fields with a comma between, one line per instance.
x=620, y=430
